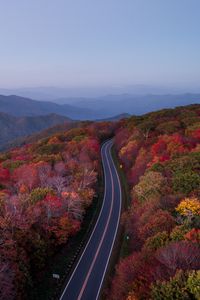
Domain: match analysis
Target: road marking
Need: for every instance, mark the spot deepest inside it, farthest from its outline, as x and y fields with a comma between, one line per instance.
x=119, y=213
x=104, y=146
x=102, y=238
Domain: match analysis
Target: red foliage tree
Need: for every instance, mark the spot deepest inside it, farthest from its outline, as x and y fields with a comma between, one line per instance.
x=26, y=175
x=160, y=221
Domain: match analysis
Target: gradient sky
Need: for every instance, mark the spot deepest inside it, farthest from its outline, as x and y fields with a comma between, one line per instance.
x=99, y=42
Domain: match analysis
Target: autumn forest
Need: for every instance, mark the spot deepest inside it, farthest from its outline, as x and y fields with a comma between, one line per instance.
x=48, y=185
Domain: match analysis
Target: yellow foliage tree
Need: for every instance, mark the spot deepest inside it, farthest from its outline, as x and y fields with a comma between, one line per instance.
x=189, y=205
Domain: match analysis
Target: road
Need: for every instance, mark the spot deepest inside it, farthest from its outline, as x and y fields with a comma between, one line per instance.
x=87, y=279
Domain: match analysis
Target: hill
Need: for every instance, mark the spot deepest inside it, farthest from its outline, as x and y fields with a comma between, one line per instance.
x=95, y=108
x=13, y=127
x=112, y=105
x=20, y=106
x=159, y=154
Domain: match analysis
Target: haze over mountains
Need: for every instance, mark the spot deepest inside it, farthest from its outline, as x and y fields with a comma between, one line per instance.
x=94, y=108
x=52, y=93
x=133, y=104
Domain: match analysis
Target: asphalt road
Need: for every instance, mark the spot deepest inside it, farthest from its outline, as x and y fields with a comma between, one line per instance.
x=87, y=279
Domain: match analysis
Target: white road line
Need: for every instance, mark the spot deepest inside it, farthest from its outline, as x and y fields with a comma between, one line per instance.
x=115, y=229
x=104, y=146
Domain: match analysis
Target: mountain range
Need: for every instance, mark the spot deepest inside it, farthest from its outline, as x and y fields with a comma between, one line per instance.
x=50, y=93
x=20, y=106
x=132, y=104
x=21, y=116
x=94, y=108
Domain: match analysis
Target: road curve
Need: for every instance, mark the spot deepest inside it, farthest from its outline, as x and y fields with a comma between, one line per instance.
x=87, y=278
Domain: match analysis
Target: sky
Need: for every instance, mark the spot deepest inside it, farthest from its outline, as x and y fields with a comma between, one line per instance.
x=71, y=43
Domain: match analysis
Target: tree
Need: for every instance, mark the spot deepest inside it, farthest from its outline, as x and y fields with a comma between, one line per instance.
x=189, y=206
x=186, y=182
x=74, y=204
x=157, y=241
x=57, y=183
x=179, y=255
x=139, y=166
x=26, y=175
x=44, y=172
x=150, y=185
x=160, y=221
x=184, y=285
x=4, y=175
x=128, y=153
x=193, y=235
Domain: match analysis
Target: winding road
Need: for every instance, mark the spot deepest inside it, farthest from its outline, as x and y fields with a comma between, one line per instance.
x=87, y=278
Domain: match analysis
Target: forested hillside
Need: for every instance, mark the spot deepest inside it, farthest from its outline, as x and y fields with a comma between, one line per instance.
x=45, y=189
x=15, y=127
x=48, y=185
x=160, y=155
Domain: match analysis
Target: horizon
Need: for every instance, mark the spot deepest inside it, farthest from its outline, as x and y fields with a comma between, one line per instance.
x=69, y=93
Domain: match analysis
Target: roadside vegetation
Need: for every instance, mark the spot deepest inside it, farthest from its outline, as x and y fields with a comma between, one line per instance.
x=160, y=154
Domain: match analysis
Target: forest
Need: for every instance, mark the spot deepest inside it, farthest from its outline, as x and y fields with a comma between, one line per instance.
x=45, y=189
x=160, y=155
x=47, y=186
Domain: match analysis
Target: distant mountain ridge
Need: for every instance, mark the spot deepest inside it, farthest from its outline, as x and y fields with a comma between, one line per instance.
x=95, y=108
x=20, y=106
x=12, y=127
x=49, y=93
x=134, y=104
